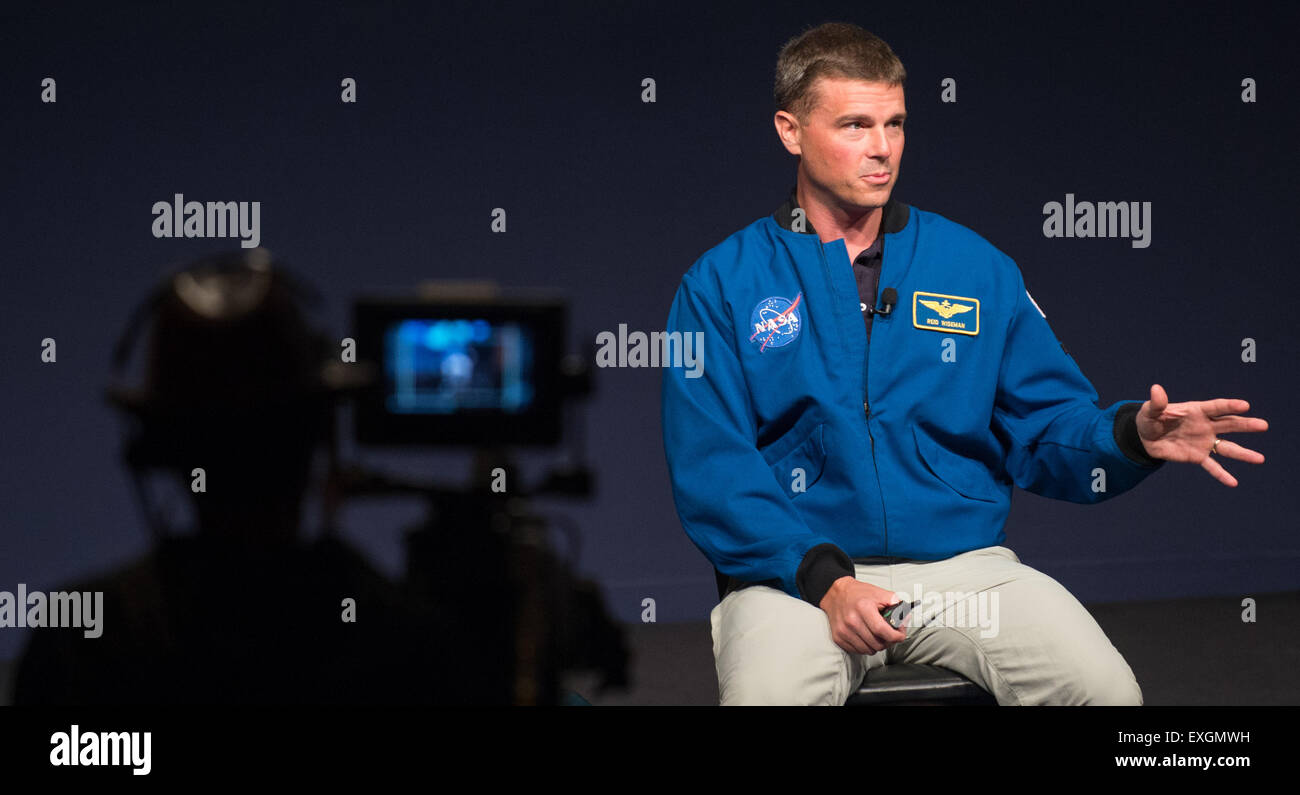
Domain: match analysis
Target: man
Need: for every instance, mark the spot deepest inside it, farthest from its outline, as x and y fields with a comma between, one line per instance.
x=246, y=608
x=877, y=378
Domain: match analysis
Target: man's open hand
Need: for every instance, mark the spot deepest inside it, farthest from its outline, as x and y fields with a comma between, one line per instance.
x=1187, y=431
x=854, y=611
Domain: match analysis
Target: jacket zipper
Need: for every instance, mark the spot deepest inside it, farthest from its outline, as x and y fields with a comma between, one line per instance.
x=866, y=405
x=866, y=408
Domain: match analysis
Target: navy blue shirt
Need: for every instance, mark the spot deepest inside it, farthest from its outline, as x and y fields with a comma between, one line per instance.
x=866, y=269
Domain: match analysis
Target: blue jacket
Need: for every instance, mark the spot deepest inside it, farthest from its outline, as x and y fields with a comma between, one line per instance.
x=801, y=446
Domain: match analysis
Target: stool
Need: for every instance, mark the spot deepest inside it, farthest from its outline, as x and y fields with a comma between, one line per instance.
x=914, y=684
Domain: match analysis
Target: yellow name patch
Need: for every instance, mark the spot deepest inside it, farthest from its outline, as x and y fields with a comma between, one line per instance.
x=951, y=313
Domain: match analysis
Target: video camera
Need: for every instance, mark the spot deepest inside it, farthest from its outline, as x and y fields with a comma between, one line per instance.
x=464, y=365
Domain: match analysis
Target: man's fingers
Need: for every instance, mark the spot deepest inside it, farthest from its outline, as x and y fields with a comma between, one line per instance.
x=1232, y=423
x=867, y=634
x=1229, y=449
x=849, y=641
x=884, y=633
x=852, y=644
x=1158, y=399
x=1222, y=406
x=1220, y=474
x=857, y=636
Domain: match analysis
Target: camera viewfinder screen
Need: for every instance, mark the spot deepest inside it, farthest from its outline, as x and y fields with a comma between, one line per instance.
x=446, y=366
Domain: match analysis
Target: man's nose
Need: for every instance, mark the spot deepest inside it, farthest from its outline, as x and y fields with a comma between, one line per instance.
x=878, y=145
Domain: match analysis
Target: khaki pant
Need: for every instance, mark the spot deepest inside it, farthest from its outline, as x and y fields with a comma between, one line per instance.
x=1013, y=630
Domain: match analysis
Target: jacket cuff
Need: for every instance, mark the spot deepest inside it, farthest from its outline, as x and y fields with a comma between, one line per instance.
x=821, y=567
x=1126, y=436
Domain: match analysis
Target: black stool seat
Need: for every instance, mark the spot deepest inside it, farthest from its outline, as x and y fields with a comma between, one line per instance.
x=904, y=684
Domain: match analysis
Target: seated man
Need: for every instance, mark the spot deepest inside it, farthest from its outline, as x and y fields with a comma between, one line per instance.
x=846, y=448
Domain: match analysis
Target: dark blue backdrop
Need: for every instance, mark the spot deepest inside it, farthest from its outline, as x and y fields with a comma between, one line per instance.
x=537, y=109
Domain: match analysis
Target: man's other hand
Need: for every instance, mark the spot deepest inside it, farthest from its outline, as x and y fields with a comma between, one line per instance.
x=1187, y=431
x=854, y=610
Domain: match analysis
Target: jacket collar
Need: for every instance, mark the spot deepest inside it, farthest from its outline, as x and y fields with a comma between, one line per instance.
x=895, y=215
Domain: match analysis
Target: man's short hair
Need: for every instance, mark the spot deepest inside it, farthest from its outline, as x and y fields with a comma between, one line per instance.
x=832, y=49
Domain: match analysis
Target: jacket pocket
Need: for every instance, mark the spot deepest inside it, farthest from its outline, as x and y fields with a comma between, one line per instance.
x=966, y=476
x=801, y=467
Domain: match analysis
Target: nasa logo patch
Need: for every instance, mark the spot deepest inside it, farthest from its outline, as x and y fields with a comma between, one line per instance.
x=775, y=322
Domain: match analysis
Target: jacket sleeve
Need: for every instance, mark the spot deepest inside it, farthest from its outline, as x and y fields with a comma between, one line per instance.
x=1046, y=416
x=729, y=500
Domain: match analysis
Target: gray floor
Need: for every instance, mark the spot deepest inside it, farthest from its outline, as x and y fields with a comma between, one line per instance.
x=1189, y=652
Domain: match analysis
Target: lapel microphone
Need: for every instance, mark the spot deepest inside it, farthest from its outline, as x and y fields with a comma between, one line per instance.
x=889, y=297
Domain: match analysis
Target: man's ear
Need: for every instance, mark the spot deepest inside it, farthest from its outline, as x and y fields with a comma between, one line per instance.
x=787, y=129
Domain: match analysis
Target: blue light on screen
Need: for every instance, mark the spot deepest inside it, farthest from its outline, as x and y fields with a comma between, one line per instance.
x=446, y=365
